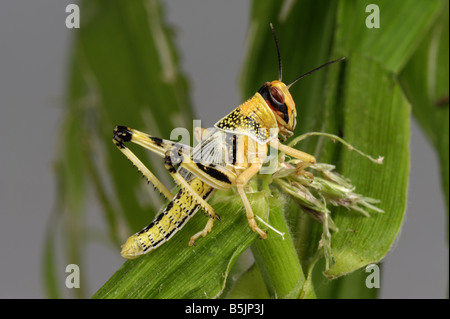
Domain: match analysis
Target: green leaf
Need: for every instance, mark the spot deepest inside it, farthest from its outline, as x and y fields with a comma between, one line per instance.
x=383, y=127
x=402, y=25
x=425, y=80
x=124, y=71
x=251, y=278
x=352, y=286
x=179, y=271
x=360, y=101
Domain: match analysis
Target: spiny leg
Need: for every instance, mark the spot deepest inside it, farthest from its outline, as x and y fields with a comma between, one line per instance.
x=122, y=135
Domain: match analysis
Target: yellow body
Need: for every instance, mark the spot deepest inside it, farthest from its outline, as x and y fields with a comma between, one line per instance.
x=228, y=156
x=252, y=118
x=254, y=113
x=253, y=126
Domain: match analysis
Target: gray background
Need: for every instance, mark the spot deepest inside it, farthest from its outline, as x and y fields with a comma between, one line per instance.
x=34, y=51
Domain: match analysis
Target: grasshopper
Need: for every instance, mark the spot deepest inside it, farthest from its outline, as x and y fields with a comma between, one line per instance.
x=228, y=155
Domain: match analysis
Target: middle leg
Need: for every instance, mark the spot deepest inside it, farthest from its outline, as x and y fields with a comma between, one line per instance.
x=241, y=181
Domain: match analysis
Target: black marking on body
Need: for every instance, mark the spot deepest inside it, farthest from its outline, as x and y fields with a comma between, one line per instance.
x=120, y=145
x=214, y=173
x=168, y=163
x=236, y=121
x=122, y=134
x=144, y=246
x=231, y=144
x=169, y=207
x=161, y=229
x=178, y=148
x=158, y=141
x=233, y=149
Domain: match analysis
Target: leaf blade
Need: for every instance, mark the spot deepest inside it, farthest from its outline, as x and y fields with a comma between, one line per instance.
x=195, y=272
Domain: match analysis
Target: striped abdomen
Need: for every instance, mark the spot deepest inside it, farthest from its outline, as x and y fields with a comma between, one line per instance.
x=168, y=222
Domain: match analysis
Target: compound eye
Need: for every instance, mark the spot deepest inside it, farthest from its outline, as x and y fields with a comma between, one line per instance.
x=277, y=95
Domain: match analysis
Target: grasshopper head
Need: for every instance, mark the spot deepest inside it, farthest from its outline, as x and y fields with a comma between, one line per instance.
x=277, y=96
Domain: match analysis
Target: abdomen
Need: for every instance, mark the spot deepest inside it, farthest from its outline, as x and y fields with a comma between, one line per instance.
x=180, y=209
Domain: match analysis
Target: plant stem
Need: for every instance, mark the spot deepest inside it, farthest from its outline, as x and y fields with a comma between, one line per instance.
x=277, y=259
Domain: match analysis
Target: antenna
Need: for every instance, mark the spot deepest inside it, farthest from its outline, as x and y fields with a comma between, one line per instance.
x=312, y=71
x=280, y=72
